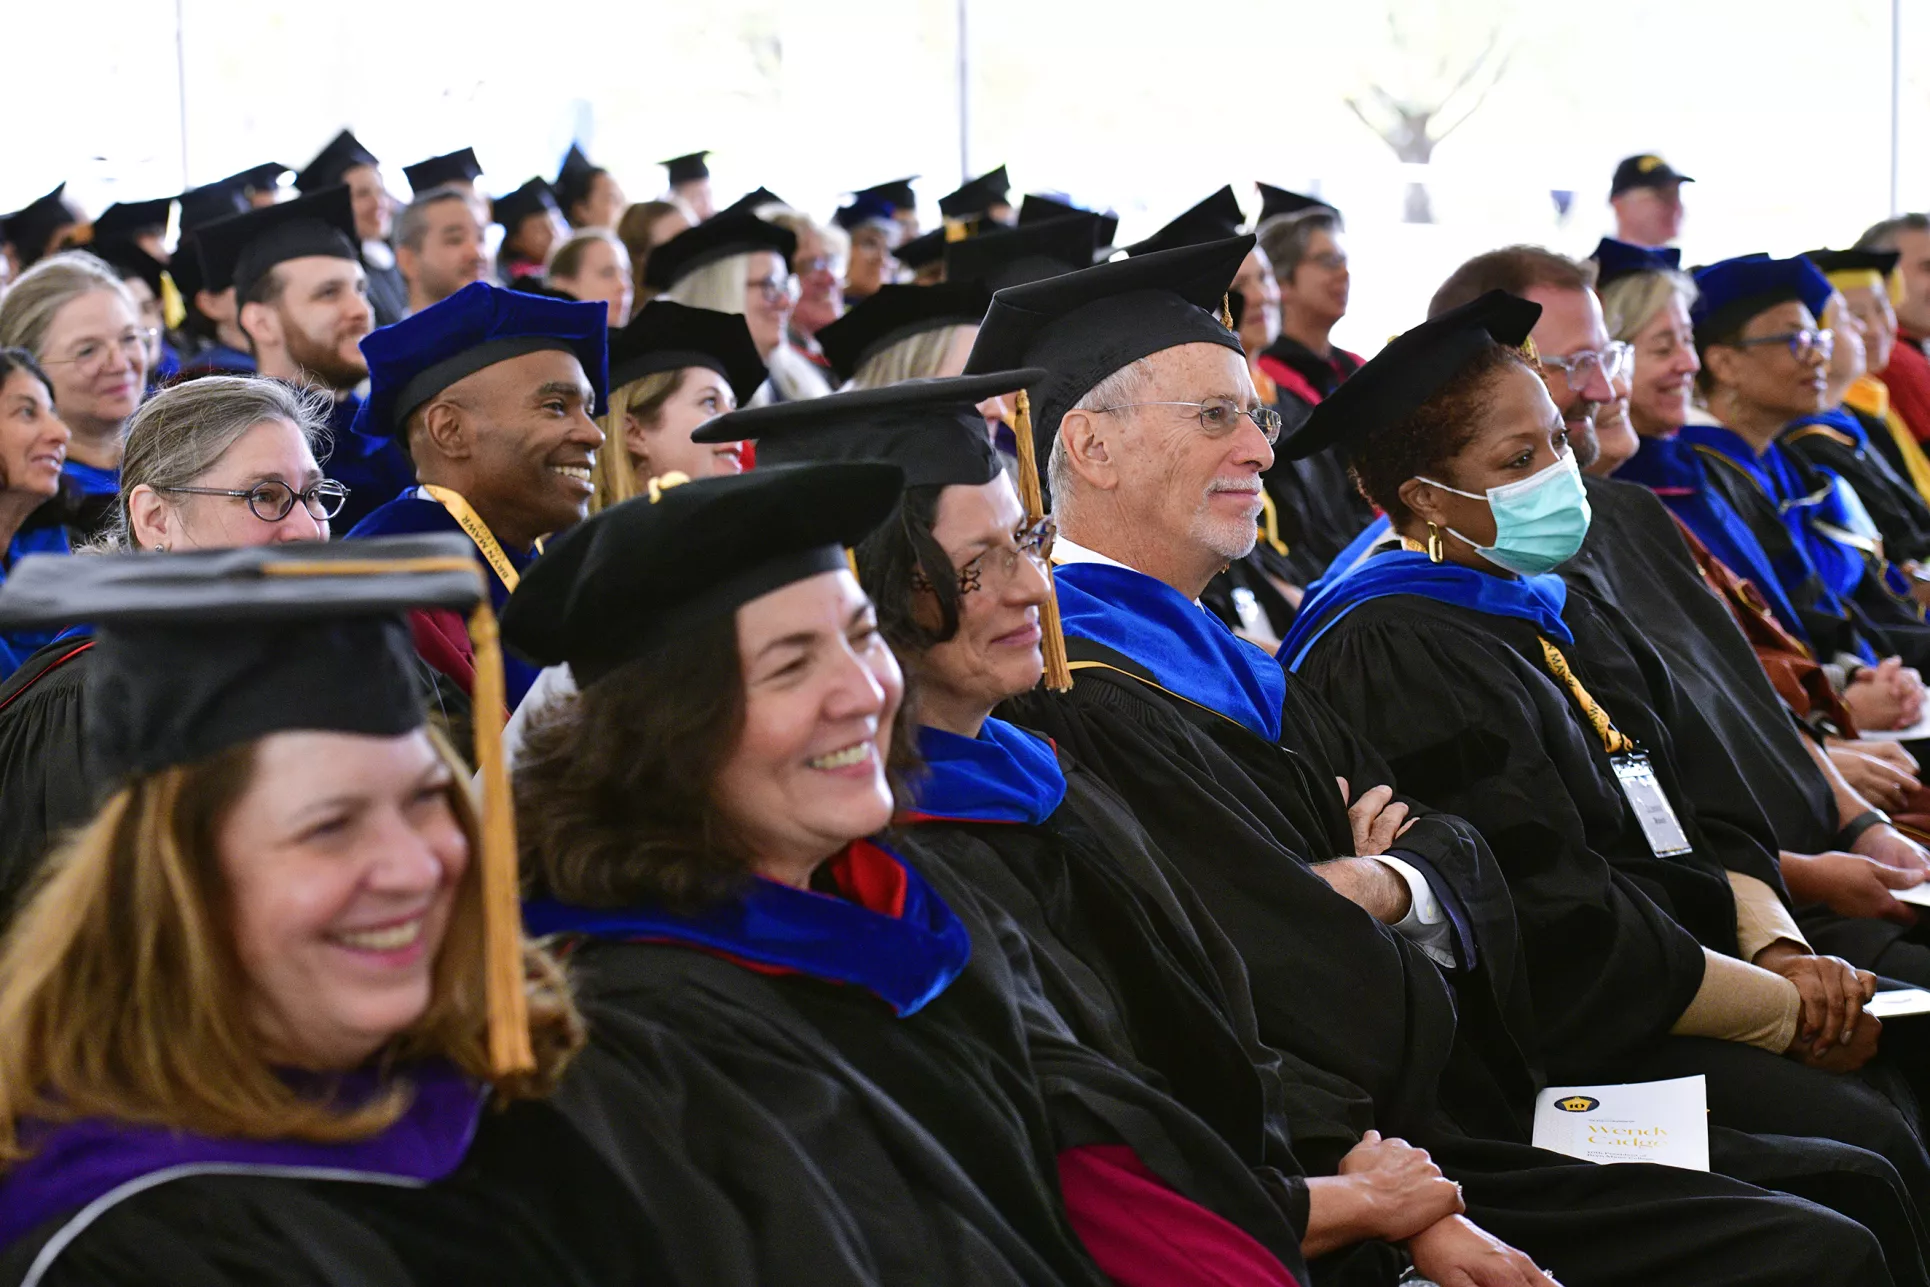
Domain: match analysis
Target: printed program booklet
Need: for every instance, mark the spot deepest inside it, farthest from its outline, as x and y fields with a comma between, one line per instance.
x=1666, y=1122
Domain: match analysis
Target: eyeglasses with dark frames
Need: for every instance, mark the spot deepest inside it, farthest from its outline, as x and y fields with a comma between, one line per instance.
x=270, y=501
x=1801, y=343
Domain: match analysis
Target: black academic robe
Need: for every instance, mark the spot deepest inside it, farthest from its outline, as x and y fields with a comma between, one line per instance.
x=530, y=1204
x=43, y=784
x=1894, y=505
x=388, y=293
x=1320, y=509
x=1246, y=593
x=1463, y=706
x=1129, y=954
x=936, y=1133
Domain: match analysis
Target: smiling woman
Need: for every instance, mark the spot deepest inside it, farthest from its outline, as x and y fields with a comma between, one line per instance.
x=33, y=445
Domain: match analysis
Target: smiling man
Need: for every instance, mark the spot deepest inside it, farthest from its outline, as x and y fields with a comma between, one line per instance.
x=491, y=392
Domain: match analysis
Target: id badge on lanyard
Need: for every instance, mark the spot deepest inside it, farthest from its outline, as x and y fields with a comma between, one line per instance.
x=1660, y=826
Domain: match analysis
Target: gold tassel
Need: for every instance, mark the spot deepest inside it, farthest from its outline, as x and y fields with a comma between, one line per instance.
x=1052, y=643
x=851, y=560
x=1226, y=311
x=509, y=1047
x=1270, y=523
x=173, y=310
x=959, y=229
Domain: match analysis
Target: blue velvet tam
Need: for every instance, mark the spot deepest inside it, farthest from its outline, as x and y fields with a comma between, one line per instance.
x=865, y=207
x=1621, y=259
x=478, y=326
x=1735, y=290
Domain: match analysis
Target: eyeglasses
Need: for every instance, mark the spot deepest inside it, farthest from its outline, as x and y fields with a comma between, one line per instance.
x=1333, y=261
x=821, y=264
x=91, y=356
x=773, y=288
x=1801, y=343
x=1218, y=417
x=1032, y=543
x=270, y=501
x=1610, y=361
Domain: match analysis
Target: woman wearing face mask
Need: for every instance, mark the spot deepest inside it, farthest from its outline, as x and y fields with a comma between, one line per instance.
x=1501, y=694
x=271, y=1018
x=217, y=462
x=672, y=369
x=700, y=822
x=33, y=443
x=738, y=263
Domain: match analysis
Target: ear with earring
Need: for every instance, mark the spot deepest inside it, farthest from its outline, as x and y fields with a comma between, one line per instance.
x=160, y=548
x=1434, y=546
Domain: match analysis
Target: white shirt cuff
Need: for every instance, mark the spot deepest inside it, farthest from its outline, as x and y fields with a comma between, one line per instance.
x=1426, y=925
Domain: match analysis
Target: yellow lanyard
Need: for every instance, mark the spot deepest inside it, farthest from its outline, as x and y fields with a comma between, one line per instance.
x=1270, y=522
x=472, y=525
x=1612, y=739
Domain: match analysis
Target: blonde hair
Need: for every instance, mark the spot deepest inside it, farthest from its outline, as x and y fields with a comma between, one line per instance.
x=614, y=479
x=27, y=308
x=919, y=357
x=719, y=286
x=1630, y=301
x=121, y=994
x=566, y=260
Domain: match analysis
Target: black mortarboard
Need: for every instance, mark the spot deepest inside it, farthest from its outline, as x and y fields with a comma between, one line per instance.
x=896, y=194
x=894, y=313
x=1279, y=201
x=331, y=165
x=31, y=227
x=1083, y=326
x=642, y=571
x=1014, y=256
x=266, y=177
x=1731, y=292
x=1831, y=262
x=712, y=240
x=751, y=202
x=1621, y=258
x=574, y=177
x=195, y=653
x=1645, y=171
x=533, y=198
x=976, y=196
x=129, y=260
x=1214, y=219
x=1038, y=208
x=126, y=220
x=413, y=360
x=198, y=653
x=687, y=169
x=533, y=284
x=239, y=250
x=1411, y=369
x=668, y=336
x=930, y=429
x=451, y=167
x=211, y=201
x=926, y=248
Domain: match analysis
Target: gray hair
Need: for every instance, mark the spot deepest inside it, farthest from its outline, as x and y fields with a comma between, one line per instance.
x=1285, y=237
x=28, y=307
x=181, y=432
x=1127, y=384
x=1629, y=301
x=916, y=358
x=1883, y=235
x=412, y=226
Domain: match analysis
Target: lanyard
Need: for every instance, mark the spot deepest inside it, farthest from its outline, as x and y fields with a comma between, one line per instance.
x=1613, y=741
x=476, y=530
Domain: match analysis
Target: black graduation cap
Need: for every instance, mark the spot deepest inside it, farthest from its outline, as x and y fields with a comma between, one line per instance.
x=451, y=167
x=574, y=177
x=687, y=169
x=897, y=193
x=1645, y=171
x=1014, y=256
x=651, y=567
x=239, y=250
x=1214, y=219
x=31, y=227
x=976, y=196
x=331, y=165
x=894, y=313
x=200, y=652
x=926, y=248
x=1409, y=371
x=668, y=336
x=712, y=240
x=266, y=177
x=533, y=198
x=930, y=429
x=129, y=260
x=751, y=202
x=1038, y=208
x=1831, y=262
x=1083, y=326
x=212, y=201
x=1279, y=201
x=126, y=220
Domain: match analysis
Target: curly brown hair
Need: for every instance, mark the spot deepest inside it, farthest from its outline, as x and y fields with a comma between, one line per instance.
x=1380, y=460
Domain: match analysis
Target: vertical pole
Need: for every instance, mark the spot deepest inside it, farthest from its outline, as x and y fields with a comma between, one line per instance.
x=1896, y=104
x=965, y=94
x=181, y=82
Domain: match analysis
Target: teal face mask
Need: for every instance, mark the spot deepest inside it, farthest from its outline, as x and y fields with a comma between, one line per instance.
x=1539, y=522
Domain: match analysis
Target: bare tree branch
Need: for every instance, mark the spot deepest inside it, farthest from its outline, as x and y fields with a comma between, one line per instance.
x=1354, y=106
x=1479, y=99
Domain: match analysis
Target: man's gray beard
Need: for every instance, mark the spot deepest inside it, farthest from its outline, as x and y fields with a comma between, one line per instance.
x=1229, y=538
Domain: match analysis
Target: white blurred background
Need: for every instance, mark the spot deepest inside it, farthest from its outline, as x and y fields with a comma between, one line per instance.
x=1781, y=109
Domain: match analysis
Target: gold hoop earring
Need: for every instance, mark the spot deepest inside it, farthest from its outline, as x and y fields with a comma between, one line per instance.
x=1435, y=550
